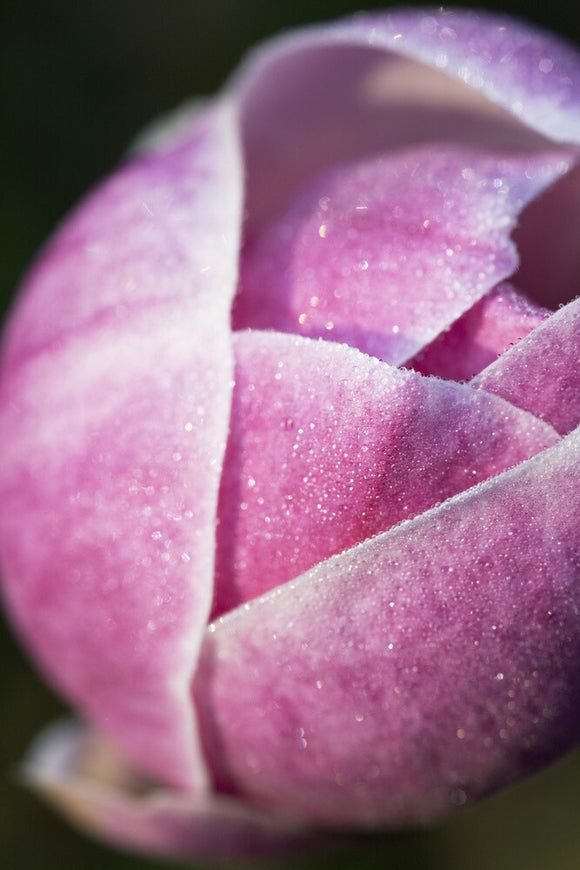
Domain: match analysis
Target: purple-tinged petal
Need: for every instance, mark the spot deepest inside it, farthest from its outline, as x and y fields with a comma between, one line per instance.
x=416, y=672
x=165, y=227
x=541, y=373
x=477, y=338
x=386, y=254
x=94, y=787
x=328, y=447
x=340, y=92
x=115, y=401
x=532, y=74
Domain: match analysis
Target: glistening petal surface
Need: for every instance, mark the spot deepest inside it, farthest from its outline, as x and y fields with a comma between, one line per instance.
x=488, y=329
x=386, y=254
x=374, y=83
x=328, y=447
x=417, y=671
x=541, y=373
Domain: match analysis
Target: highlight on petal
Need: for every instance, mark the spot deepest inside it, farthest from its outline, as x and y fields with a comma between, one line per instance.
x=328, y=447
x=337, y=93
x=532, y=74
x=200, y=419
x=384, y=255
x=541, y=373
x=415, y=672
x=80, y=773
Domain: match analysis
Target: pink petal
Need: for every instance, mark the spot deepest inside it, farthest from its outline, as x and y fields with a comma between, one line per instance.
x=386, y=254
x=328, y=447
x=547, y=242
x=532, y=74
x=415, y=672
x=112, y=434
x=477, y=338
x=96, y=789
x=541, y=373
x=374, y=83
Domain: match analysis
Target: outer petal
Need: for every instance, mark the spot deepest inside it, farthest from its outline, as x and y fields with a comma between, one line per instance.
x=530, y=73
x=386, y=254
x=82, y=775
x=541, y=373
x=339, y=92
x=112, y=437
x=415, y=672
x=328, y=447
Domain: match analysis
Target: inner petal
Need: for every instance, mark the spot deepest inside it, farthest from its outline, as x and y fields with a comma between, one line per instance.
x=386, y=253
x=328, y=447
x=480, y=335
x=541, y=373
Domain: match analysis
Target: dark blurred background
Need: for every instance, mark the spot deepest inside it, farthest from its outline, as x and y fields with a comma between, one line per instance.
x=79, y=79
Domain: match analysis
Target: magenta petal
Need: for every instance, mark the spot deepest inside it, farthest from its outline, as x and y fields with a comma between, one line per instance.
x=386, y=254
x=477, y=338
x=417, y=671
x=328, y=447
x=99, y=792
x=115, y=403
x=113, y=451
x=541, y=373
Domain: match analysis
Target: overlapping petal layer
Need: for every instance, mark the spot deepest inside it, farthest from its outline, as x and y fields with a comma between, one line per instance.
x=490, y=327
x=414, y=672
x=541, y=373
x=386, y=254
x=387, y=161
x=328, y=447
x=112, y=437
x=345, y=91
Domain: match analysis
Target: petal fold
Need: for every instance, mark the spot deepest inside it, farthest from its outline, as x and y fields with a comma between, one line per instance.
x=416, y=672
x=541, y=373
x=328, y=447
x=480, y=335
x=373, y=83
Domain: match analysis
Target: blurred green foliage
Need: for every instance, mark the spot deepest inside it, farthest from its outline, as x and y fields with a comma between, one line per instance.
x=79, y=79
